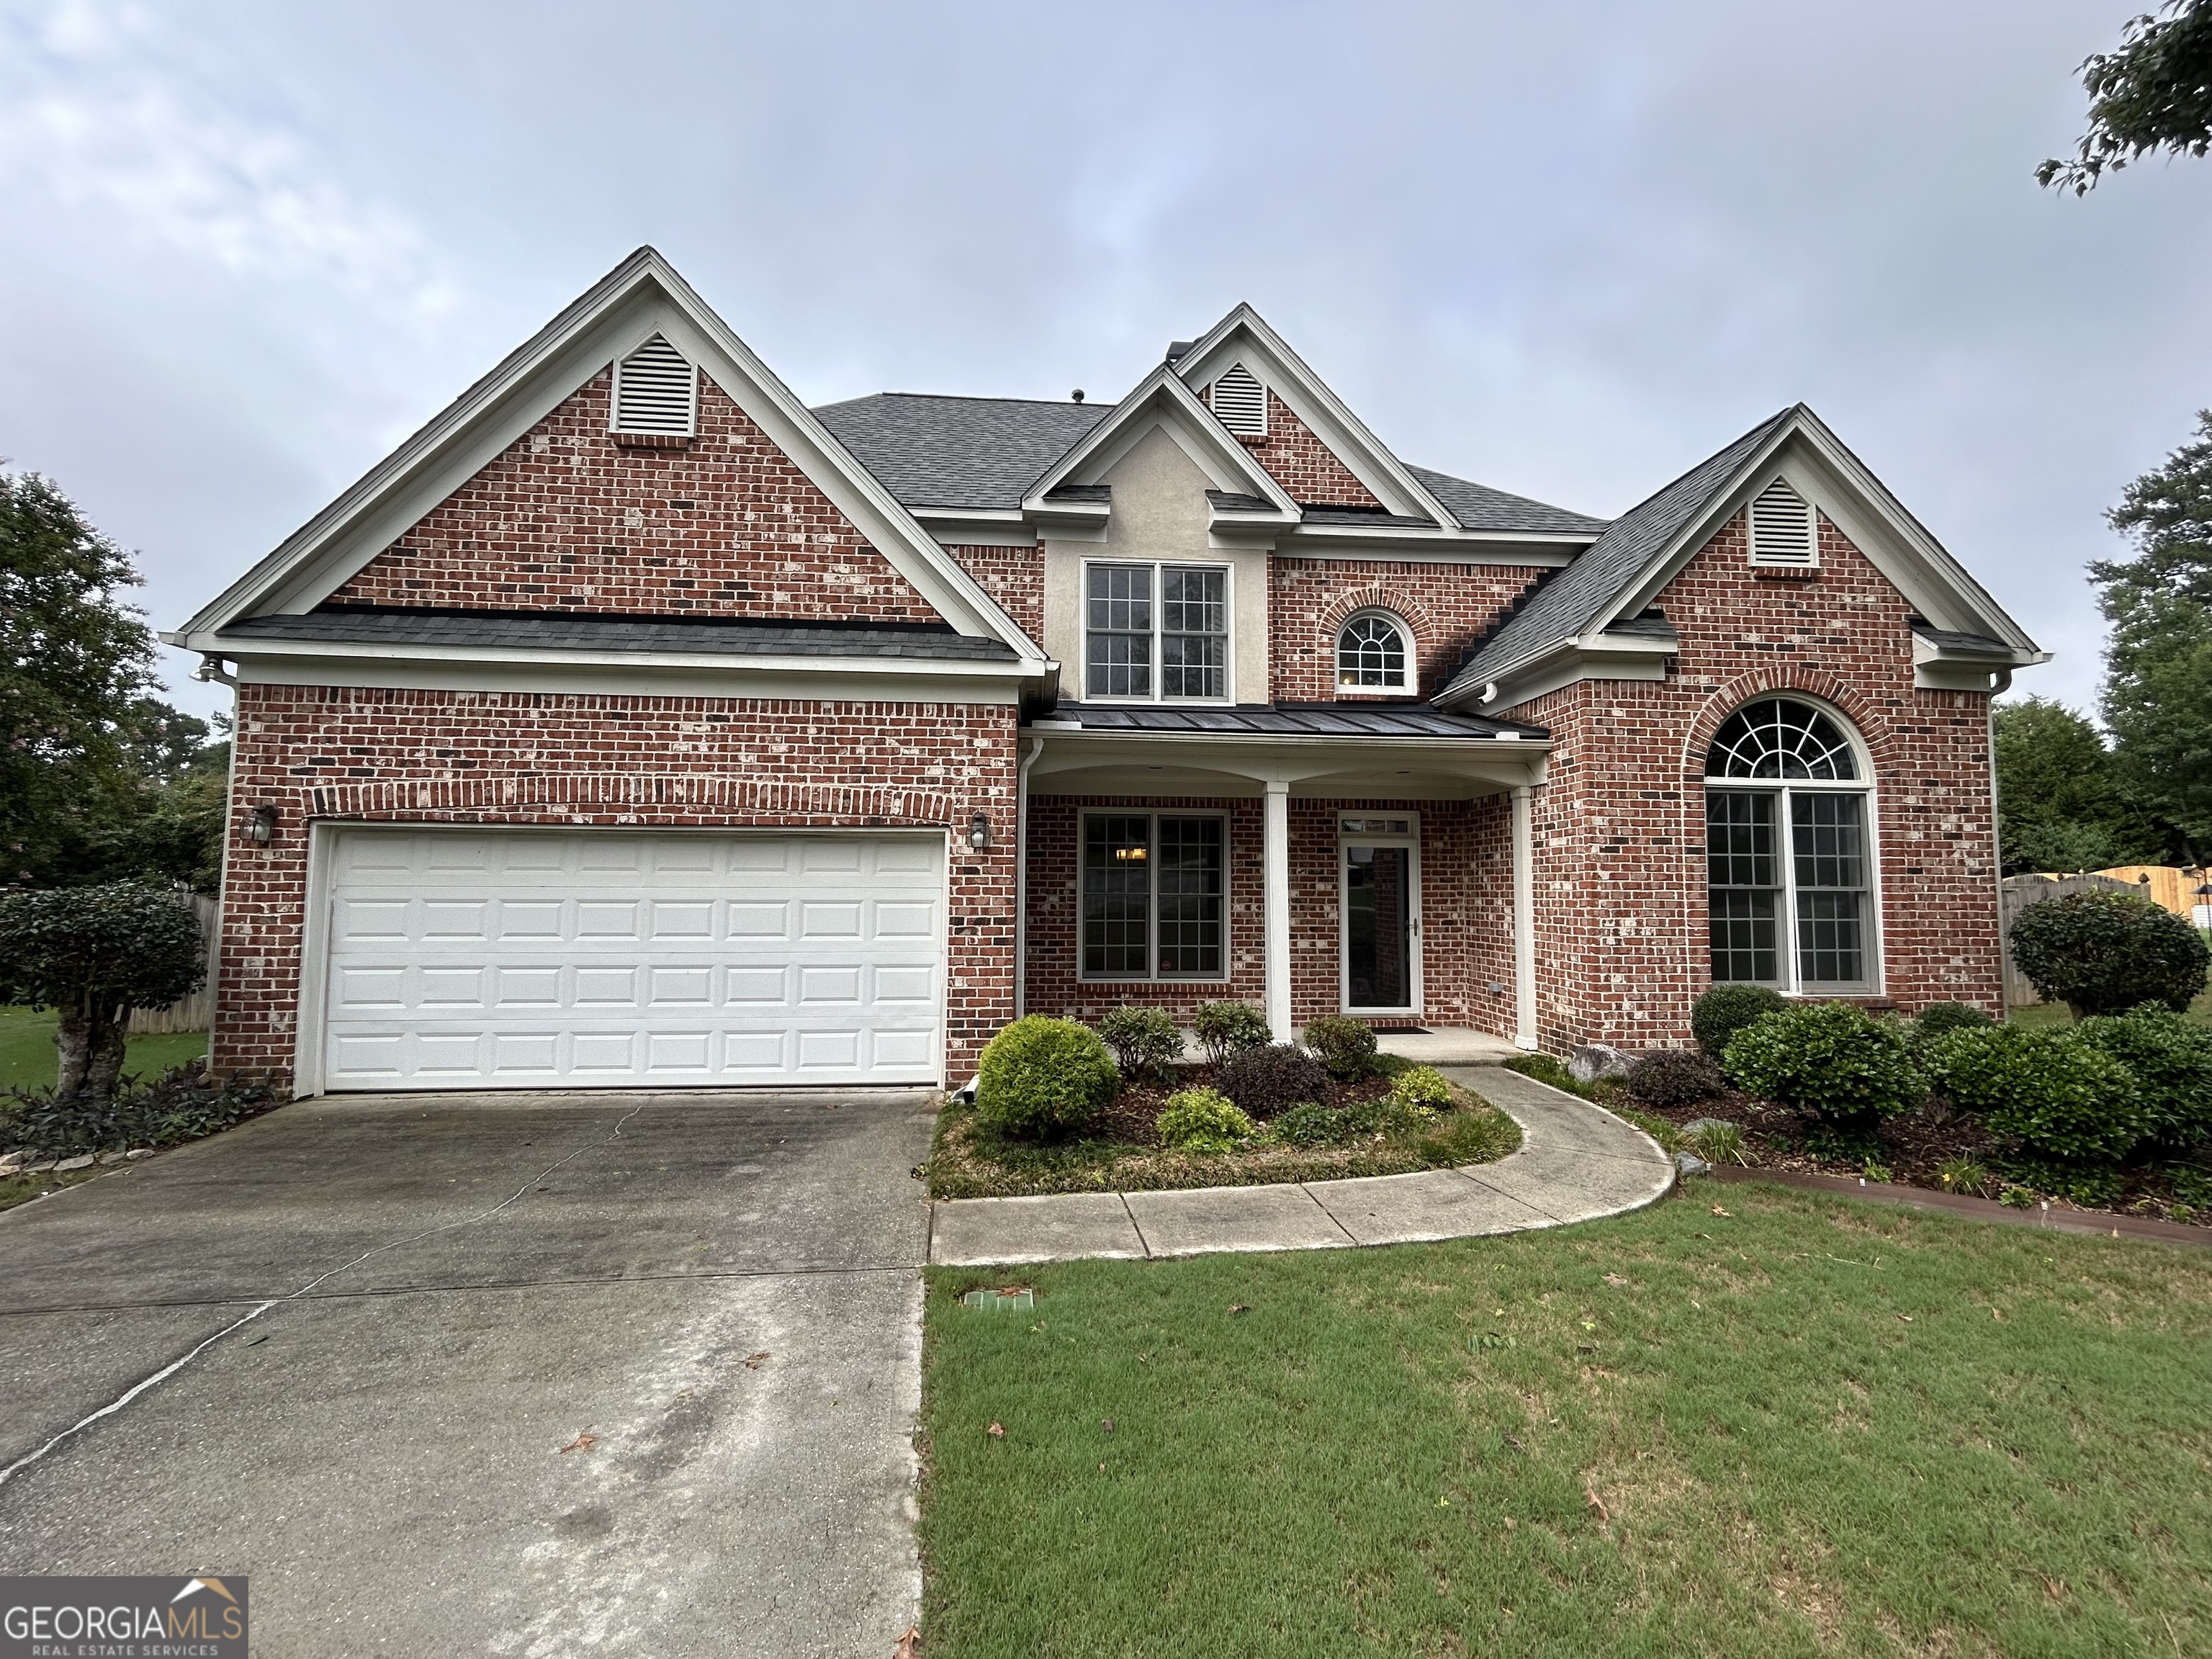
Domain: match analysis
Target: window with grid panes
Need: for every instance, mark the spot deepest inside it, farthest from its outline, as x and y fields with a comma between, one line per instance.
x=1156, y=632
x=1152, y=892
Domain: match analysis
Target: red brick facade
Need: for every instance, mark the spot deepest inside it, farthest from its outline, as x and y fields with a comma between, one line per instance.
x=567, y=519
x=1014, y=576
x=1621, y=935
x=1449, y=608
x=325, y=754
x=1307, y=469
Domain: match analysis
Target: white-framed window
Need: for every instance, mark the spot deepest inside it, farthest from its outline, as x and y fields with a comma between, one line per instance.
x=1155, y=633
x=1789, y=856
x=1154, y=892
x=1782, y=528
x=1374, y=652
x=656, y=391
x=1240, y=402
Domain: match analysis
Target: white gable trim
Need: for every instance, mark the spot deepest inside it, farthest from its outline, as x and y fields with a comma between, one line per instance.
x=1162, y=400
x=1243, y=336
x=640, y=298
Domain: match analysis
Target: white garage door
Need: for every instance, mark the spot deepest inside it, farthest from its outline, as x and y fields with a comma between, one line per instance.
x=523, y=959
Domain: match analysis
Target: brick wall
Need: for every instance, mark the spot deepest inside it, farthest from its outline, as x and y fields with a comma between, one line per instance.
x=1622, y=946
x=1448, y=607
x=566, y=519
x=1014, y=576
x=541, y=758
x=1297, y=458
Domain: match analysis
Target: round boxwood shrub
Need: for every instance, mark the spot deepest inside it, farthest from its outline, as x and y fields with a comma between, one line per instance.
x=1041, y=1078
x=1828, y=1058
x=1144, y=1039
x=2055, y=1091
x=1345, y=1045
x=1229, y=1028
x=1940, y=1019
x=1674, y=1077
x=1273, y=1078
x=1202, y=1121
x=1727, y=1009
x=2172, y=1059
x=2103, y=952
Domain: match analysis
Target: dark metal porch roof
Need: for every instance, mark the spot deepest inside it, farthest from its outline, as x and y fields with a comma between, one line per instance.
x=1283, y=720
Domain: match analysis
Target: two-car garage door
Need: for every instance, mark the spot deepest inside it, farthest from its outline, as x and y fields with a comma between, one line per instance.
x=471, y=959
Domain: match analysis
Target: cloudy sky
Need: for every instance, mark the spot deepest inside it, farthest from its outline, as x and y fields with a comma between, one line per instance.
x=1566, y=249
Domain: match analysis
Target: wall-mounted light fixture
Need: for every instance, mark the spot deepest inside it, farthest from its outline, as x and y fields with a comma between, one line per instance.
x=979, y=832
x=261, y=826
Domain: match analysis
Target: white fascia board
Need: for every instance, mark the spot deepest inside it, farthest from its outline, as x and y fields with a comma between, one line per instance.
x=1161, y=400
x=620, y=682
x=1308, y=398
x=1286, y=757
x=640, y=297
x=1440, y=546
x=963, y=526
x=1596, y=655
x=266, y=651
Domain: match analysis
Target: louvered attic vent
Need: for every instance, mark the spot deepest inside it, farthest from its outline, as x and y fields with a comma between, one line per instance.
x=1240, y=402
x=1782, y=527
x=656, y=392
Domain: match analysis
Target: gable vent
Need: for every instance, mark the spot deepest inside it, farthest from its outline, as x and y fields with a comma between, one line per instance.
x=1782, y=526
x=656, y=391
x=1240, y=402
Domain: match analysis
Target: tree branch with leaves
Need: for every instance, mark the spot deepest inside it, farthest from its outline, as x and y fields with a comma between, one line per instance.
x=2153, y=94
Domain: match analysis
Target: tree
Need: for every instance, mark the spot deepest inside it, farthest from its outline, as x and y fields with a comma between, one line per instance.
x=2103, y=953
x=2153, y=94
x=2060, y=806
x=93, y=954
x=2158, y=668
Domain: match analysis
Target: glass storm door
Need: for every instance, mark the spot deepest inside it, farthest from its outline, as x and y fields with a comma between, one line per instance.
x=1382, y=915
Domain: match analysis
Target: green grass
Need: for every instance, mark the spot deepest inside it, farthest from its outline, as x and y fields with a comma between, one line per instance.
x=26, y=1049
x=1814, y=1427
x=2057, y=1013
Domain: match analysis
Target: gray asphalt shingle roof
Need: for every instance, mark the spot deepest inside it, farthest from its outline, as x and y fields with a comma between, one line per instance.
x=1477, y=506
x=1566, y=604
x=557, y=630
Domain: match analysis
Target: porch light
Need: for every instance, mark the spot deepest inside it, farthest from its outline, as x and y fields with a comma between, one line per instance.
x=261, y=826
x=979, y=832
x=1129, y=855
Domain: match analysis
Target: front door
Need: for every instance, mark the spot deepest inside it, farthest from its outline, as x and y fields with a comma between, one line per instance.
x=1379, y=900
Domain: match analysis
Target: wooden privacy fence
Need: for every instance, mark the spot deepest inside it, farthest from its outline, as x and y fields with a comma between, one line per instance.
x=2019, y=892
x=196, y=1011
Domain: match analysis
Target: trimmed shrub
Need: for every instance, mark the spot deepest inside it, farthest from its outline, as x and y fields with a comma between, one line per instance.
x=1229, y=1028
x=1939, y=1018
x=1273, y=1078
x=2172, y=1059
x=1424, y=1087
x=2103, y=953
x=1674, y=1077
x=1041, y=1077
x=1202, y=1121
x=1345, y=1045
x=1828, y=1059
x=1727, y=1009
x=2054, y=1091
x=1146, y=1042
x=182, y=1104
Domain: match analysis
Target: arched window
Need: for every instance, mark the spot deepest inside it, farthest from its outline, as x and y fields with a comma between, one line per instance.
x=1372, y=653
x=1798, y=916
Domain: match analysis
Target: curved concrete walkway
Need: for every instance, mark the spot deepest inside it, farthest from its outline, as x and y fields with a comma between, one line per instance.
x=1576, y=1163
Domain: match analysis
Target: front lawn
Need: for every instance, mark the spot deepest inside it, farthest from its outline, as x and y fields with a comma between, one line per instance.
x=26, y=1049
x=1807, y=1426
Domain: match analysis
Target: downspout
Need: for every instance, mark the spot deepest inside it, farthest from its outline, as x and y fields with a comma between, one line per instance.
x=211, y=670
x=1524, y=920
x=2001, y=683
x=1030, y=750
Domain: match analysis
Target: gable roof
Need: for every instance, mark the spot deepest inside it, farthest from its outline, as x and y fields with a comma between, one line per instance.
x=640, y=297
x=1621, y=571
x=1477, y=506
x=976, y=452
x=1161, y=398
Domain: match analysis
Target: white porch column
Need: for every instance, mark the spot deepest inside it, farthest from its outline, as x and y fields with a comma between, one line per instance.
x=1277, y=887
x=1524, y=921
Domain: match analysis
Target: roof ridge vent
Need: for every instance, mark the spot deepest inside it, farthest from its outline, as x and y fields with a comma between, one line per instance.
x=1240, y=402
x=656, y=391
x=1782, y=527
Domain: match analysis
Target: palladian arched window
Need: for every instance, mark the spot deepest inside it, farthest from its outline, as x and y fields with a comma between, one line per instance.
x=1789, y=854
x=1372, y=653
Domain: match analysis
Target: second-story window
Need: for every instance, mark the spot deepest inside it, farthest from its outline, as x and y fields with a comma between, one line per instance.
x=1156, y=632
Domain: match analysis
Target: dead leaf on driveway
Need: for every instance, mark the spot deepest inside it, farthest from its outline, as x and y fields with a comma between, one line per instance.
x=910, y=1645
x=997, y=1431
x=753, y=1360
x=583, y=1441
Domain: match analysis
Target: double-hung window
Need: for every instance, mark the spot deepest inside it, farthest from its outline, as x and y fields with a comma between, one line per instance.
x=1152, y=891
x=1156, y=632
x=1788, y=858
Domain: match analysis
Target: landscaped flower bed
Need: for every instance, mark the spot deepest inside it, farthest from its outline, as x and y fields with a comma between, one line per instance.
x=1055, y=1114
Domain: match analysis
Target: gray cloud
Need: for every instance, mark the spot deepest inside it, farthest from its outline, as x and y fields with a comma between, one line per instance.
x=1568, y=251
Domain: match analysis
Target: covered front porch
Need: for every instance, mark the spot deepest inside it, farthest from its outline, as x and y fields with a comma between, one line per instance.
x=1311, y=858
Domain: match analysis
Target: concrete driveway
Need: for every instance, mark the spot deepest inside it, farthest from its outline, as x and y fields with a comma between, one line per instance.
x=387, y=1318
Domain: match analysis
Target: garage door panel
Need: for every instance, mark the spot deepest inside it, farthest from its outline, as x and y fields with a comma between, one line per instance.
x=520, y=959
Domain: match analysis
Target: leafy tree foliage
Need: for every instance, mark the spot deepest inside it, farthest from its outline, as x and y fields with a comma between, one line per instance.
x=2153, y=94
x=2060, y=803
x=2102, y=952
x=93, y=954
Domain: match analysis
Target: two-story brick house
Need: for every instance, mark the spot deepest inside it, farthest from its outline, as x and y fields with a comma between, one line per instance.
x=634, y=724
